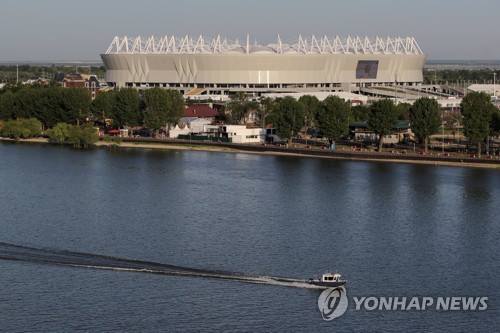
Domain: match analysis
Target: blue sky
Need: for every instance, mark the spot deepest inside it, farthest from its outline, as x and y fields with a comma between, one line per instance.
x=81, y=30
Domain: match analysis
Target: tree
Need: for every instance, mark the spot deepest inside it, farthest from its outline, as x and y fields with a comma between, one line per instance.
x=126, y=108
x=240, y=106
x=76, y=103
x=156, y=108
x=333, y=118
x=22, y=128
x=425, y=121
x=102, y=105
x=59, y=133
x=162, y=107
x=82, y=136
x=382, y=118
x=476, y=109
x=404, y=111
x=7, y=105
x=360, y=112
x=312, y=106
x=266, y=106
x=288, y=117
x=175, y=106
x=495, y=123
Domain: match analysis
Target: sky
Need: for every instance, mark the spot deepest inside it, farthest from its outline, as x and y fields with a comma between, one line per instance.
x=72, y=30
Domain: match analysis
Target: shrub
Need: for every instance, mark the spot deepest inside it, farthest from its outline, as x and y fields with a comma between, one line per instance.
x=22, y=128
x=78, y=136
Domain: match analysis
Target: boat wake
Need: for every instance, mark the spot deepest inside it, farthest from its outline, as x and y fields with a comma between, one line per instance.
x=21, y=253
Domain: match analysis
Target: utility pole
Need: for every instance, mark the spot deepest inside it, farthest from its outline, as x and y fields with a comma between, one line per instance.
x=494, y=86
x=396, y=89
x=17, y=74
x=442, y=124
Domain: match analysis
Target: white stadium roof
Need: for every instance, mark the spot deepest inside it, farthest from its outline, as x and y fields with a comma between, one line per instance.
x=302, y=45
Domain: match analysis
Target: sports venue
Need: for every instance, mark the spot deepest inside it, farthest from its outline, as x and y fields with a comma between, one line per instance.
x=217, y=66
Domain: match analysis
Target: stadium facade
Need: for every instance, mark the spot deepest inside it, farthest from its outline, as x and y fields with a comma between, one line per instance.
x=198, y=65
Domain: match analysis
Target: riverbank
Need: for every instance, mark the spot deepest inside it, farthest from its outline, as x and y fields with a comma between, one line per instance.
x=297, y=152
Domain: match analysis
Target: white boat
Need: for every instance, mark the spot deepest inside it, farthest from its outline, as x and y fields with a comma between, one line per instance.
x=328, y=280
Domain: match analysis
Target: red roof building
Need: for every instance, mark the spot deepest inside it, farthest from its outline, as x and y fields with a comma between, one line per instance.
x=200, y=111
x=82, y=81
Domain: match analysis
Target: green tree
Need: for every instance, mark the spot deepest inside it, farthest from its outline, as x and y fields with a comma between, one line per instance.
x=59, y=133
x=382, y=119
x=288, y=117
x=333, y=118
x=82, y=136
x=425, y=120
x=312, y=106
x=7, y=105
x=495, y=123
x=126, y=109
x=476, y=109
x=156, y=108
x=266, y=106
x=162, y=107
x=76, y=104
x=175, y=106
x=404, y=111
x=22, y=128
x=240, y=107
x=102, y=105
x=360, y=112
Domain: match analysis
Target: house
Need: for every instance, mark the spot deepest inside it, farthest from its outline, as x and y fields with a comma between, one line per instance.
x=83, y=81
x=401, y=132
x=193, y=126
x=200, y=111
x=242, y=134
x=35, y=80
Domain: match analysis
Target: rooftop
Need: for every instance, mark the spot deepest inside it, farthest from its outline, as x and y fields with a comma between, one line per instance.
x=301, y=45
x=200, y=111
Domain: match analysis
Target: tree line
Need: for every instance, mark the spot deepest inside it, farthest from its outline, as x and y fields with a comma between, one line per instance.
x=127, y=107
x=10, y=73
x=457, y=76
x=332, y=116
x=156, y=107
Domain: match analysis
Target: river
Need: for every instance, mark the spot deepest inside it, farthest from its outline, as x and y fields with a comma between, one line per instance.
x=147, y=240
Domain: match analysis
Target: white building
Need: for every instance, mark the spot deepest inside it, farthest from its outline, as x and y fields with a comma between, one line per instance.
x=490, y=89
x=242, y=134
x=348, y=97
x=220, y=66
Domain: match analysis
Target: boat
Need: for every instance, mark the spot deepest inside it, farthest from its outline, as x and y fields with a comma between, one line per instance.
x=328, y=280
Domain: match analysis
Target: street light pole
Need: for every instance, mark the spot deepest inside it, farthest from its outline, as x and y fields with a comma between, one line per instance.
x=494, y=86
x=396, y=89
x=442, y=124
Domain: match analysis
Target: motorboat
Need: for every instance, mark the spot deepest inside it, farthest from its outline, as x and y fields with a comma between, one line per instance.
x=328, y=280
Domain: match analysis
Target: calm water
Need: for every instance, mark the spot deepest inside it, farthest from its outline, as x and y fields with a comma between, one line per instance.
x=391, y=229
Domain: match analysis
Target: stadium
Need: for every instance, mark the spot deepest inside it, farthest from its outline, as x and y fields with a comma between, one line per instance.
x=216, y=66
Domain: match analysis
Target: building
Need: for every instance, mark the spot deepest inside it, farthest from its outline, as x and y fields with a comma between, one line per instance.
x=82, y=81
x=201, y=129
x=242, y=134
x=351, y=98
x=490, y=89
x=198, y=66
x=401, y=132
x=200, y=111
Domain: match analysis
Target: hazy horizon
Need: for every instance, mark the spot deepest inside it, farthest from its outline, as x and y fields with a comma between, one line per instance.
x=58, y=30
